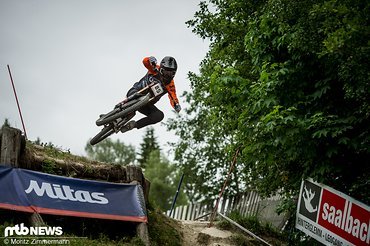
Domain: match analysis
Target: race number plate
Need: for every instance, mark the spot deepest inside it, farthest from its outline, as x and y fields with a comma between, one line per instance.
x=157, y=89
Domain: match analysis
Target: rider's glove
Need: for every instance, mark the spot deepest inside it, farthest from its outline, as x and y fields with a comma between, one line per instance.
x=118, y=105
x=177, y=108
x=153, y=61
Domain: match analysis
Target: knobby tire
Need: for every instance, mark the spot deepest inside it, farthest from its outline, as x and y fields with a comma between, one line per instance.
x=132, y=107
x=103, y=134
x=109, y=129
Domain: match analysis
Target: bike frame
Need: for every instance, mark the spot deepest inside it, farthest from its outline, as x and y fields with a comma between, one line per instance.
x=124, y=111
x=145, y=89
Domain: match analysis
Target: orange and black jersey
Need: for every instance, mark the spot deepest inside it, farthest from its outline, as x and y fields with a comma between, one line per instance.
x=151, y=76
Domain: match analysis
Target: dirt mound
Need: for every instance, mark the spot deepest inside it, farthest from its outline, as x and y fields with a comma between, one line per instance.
x=198, y=233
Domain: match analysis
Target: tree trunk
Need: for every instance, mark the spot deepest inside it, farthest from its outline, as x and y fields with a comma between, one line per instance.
x=12, y=144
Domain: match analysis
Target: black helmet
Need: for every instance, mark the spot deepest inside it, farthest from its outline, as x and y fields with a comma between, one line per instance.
x=168, y=68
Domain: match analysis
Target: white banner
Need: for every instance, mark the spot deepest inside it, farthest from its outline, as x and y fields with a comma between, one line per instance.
x=332, y=217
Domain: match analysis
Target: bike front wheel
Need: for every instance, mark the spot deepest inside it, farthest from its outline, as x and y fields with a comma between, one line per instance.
x=132, y=106
x=103, y=134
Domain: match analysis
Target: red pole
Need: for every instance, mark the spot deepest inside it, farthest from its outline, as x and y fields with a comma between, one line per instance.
x=16, y=98
x=213, y=215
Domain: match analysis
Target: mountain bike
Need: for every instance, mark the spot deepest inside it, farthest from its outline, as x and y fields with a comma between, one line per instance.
x=123, y=112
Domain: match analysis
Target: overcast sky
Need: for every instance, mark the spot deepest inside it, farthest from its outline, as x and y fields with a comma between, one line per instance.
x=72, y=60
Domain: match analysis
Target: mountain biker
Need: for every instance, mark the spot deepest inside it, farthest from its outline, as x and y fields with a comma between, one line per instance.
x=164, y=72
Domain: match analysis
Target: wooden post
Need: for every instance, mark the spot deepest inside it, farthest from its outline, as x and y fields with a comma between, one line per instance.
x=12, y=144
x=1, y=136
x=141, y=228
x=36, y=220
x=146, y=188
x=134, y=173
x=142, y=233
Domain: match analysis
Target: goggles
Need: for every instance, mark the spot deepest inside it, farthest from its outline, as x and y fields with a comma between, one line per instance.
x=167, y=74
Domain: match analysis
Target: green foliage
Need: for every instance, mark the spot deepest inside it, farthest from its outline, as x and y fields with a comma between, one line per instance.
x=52, y=154
x=79, y=240
x=110, y=151
x=242, y=240
x=104, y=240
x=163, y=230
x=163, y=181
x=84, y=231
x=162, y=175
x=49, y=167
x=252, y=224
x=6, y=123
x=288, y=83
x=148, y=145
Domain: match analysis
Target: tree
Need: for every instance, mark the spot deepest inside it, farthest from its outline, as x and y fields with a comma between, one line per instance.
x=287, y=83
x=111, y=152
x=148, y=145
x=6, y=123
x=164, y=178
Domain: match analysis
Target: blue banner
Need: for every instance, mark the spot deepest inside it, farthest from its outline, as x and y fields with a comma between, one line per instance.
x=30, y=191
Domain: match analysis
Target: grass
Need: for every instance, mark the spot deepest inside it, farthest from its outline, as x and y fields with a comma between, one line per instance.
x=251, y=223
x=84, y=231
x=53, y=151
x=79, y=231
x=163, y=230
x=50, y=159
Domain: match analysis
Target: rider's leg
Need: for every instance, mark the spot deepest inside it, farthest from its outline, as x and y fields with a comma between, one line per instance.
x=152, y=113
x=129, y=126
x=153, y=116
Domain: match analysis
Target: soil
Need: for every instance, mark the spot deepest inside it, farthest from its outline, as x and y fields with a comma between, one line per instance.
x=198, y=233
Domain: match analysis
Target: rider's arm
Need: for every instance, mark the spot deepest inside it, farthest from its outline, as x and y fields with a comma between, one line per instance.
x=150, y=65
x=172, y=93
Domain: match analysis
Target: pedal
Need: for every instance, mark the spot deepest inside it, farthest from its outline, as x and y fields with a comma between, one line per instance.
x=118, y=124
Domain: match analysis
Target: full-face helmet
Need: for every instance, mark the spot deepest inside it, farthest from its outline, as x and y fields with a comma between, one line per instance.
x=167, y=69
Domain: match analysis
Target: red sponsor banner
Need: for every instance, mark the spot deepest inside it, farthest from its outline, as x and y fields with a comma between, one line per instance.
x=344, y=217
x=332, y=217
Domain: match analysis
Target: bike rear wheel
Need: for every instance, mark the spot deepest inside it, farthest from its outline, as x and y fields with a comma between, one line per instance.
x=132, y=106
